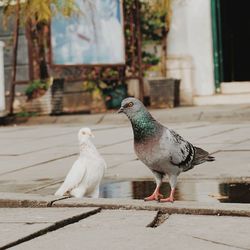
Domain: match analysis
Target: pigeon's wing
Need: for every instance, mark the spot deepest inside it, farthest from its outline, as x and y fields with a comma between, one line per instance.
x=185, y=155
x=181, y=152
x=74, y=177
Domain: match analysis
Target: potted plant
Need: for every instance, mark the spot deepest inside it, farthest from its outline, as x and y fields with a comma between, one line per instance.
x=39, y=97
x=36, y=89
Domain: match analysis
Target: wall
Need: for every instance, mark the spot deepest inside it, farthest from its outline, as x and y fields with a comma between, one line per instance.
x=6, y=35
x=2, y=87
x=190, y=54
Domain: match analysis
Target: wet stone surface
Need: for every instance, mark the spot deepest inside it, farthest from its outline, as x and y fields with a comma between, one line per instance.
x=186, y=191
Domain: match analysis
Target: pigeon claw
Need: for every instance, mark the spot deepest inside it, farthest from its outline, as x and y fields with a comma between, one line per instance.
x=169, y=199
x=154, y=197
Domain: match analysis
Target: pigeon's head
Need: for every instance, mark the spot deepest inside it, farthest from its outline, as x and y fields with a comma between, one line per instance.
x=84, y=134
x=131, y=106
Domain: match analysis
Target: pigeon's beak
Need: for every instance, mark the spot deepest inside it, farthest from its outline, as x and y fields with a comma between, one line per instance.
x=91, y=134
x=121, y=110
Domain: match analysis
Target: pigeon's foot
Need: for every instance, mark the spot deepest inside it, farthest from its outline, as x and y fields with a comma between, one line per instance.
x=169, y=199
x=154, y=197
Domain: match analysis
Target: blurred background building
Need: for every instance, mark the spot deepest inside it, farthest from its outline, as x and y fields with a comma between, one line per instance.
x=207, y=50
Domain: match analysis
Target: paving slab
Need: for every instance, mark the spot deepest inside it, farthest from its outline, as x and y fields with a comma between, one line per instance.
x=243, y=146
x=114, y=229
x=18, y=224
x=220, y=231
x=194, y=133
x=110, y=229
x=26, y=179
x=133, y=169
x=122, y=148
x=236, y=135
x=36, y=176
x=14, y=163
x=112, y=136
x=37, y=157
x=229, y=166
x=29, y=146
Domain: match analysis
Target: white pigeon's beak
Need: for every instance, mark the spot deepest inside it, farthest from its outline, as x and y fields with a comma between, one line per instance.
x=121, y=110
x=91, y=134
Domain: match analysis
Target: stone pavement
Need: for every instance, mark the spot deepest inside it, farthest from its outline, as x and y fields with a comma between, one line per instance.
x=46, y=222
x=35, y=158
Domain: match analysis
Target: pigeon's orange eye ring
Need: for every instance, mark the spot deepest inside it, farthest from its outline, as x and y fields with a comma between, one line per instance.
x=130, y=104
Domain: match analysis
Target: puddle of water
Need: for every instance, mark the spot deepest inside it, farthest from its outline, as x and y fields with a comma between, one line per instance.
x=185, y=191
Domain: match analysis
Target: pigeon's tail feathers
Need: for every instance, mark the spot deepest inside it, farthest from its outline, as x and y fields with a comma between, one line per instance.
x=210, y=158
x=201, y=156
x=78, y=192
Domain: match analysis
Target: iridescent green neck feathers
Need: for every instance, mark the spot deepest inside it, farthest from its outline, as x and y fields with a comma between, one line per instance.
x=144, y=126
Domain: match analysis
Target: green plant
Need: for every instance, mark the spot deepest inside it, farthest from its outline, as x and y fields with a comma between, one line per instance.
x=37, y=10
x=36, y=88
x=26, y=114
x=154, y=22
x=149, y=59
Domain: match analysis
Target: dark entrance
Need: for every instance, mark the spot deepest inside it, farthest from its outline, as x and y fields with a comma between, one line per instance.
x=235, y=29
x=231, y=40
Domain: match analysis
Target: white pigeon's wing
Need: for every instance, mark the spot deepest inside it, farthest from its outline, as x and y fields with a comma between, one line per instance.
x=181, y=151
x=74, y=177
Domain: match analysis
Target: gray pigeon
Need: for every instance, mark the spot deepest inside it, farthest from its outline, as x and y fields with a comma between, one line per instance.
x=160, y=148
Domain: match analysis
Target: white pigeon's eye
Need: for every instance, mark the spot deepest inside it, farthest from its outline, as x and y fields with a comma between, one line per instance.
x=83, y=133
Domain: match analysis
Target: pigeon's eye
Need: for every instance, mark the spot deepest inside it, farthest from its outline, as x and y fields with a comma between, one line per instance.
x=130, y=104
x=83, y=133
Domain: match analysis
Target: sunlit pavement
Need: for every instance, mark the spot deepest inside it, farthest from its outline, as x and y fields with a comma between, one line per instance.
x=34, y=159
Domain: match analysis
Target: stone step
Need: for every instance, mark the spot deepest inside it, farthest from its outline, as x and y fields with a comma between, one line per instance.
x=222, y=99
x=235, y=87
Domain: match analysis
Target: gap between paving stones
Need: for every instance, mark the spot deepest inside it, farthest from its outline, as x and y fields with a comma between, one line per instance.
x=217, y=133
x=217, y=242
x=40, y=163
x=165, y=208
x=44, y=186
x=55, y=226
x=159, y=219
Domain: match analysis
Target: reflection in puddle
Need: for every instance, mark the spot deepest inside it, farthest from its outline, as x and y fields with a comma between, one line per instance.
x=186, y=191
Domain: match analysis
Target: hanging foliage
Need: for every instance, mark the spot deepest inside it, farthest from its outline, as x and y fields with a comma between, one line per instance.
x=154, y=21
x=162, y=7
x=37, y=10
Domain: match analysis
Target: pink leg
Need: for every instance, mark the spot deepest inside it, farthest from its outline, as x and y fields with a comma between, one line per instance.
x=155, y=196
x=170, y=198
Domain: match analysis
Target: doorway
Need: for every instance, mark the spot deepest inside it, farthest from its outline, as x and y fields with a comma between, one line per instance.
x=231, y=21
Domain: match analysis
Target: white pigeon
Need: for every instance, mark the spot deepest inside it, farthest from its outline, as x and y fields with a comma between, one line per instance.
x=87, y=171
